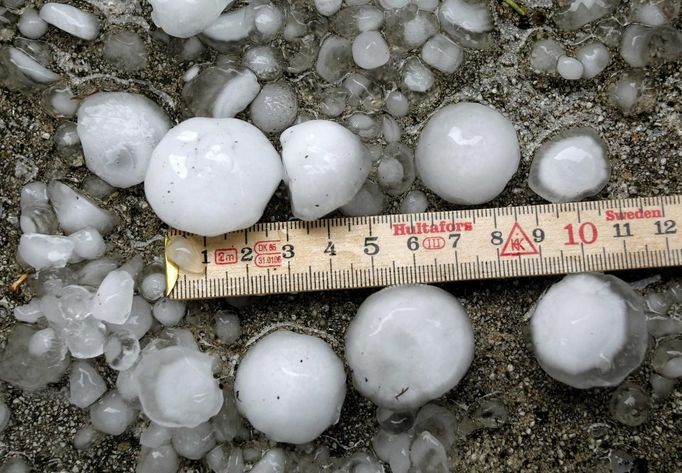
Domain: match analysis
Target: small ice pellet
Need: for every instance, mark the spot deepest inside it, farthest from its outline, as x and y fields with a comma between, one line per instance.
x=111, y=414
x=333, y=101
x=594, y=58
x=73, y=20
x=60, y=101
x=193, y=442
x=397, y=104
x=227, y=326
x=125, y=50
x=155, y=435
x=570, y=68
x=121, y=350
x=45, y=341
x=416, y=76
x=268, y=20
x=370, y=50
x=85, y=437
x=443, y=54
x=162, y=459
x=369, y=200
x=31, y=25
x=545, y=55
x=168, y=311
x=390, y=129
x=184, y=253
x=85, y=384
x=414, y=202
x=275, y=108
x=390, y=172
x=153, y=286
x=263, y=61
x=88, y=243
x=328, y=7
x=113, y=300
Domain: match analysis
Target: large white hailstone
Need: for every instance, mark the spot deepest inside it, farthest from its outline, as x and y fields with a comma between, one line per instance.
x=325, y=167
x=185, y=18
x=73, y=20
x=467, y=153
x=176, y=387
x=569, y=167
x=118, y=132
x=211, y=176
x=290, y=386
x=408, y=345
x=589, y=330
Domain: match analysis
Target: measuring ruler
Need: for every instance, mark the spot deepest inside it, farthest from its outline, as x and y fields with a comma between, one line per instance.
x=345, y=253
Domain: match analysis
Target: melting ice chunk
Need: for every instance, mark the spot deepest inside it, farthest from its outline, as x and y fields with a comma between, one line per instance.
x=73, y=20
x=589, y=330
x=571, y=166
x=85, y=384
x=119, y=131
x=76, y=212
x=169, y=403
x=45, y=251
x=185, y=18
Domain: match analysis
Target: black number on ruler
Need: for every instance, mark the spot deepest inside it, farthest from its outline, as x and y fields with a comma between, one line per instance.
x=496, y=237
x=247, y=254
x=622, y=230
x=288, y=251
x=330, y=250
x=371, y=248
x=413, y=243
x=455, y=239
x=668, y=227
x=205, y=253
x=538, y=235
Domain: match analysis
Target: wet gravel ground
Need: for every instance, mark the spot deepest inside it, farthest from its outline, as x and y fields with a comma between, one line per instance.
x=551, y=427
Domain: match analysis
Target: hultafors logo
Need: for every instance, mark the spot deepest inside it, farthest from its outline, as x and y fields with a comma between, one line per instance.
x=421, y=228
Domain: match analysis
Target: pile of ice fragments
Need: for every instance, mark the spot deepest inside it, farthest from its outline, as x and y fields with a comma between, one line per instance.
x=214, y=173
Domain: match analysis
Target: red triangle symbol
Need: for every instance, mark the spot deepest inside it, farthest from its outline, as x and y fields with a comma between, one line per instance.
x=518, y=243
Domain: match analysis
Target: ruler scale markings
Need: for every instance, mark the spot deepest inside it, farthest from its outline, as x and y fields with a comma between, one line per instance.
x=436, y=247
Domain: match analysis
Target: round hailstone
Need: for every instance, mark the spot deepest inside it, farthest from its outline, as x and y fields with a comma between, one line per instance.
x=409, y=345
x=291, y=387
x=370, y=50
x=545, y=55
x=118, y=132
x=589, y=330
x=570, y=166
x=467, y=153
x=185, y=18
x=594, y=57
x=570, y=68
x=169, y=402
x=211, y=176
x=325, y=167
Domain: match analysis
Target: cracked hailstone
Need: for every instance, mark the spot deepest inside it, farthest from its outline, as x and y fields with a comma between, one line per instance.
x=290, y=386
x=589, y=330
x=325, y=167
x=570, y=166
x=212, y=176
x=467, y=153
x=169, y=403
x=185, y=18
x=408, y=345
x=119, y=131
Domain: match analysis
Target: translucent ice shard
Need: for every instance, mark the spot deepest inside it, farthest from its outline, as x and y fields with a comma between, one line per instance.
x=85, y=384
x=76, y=212
x=119, y=131
x=114, y=298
